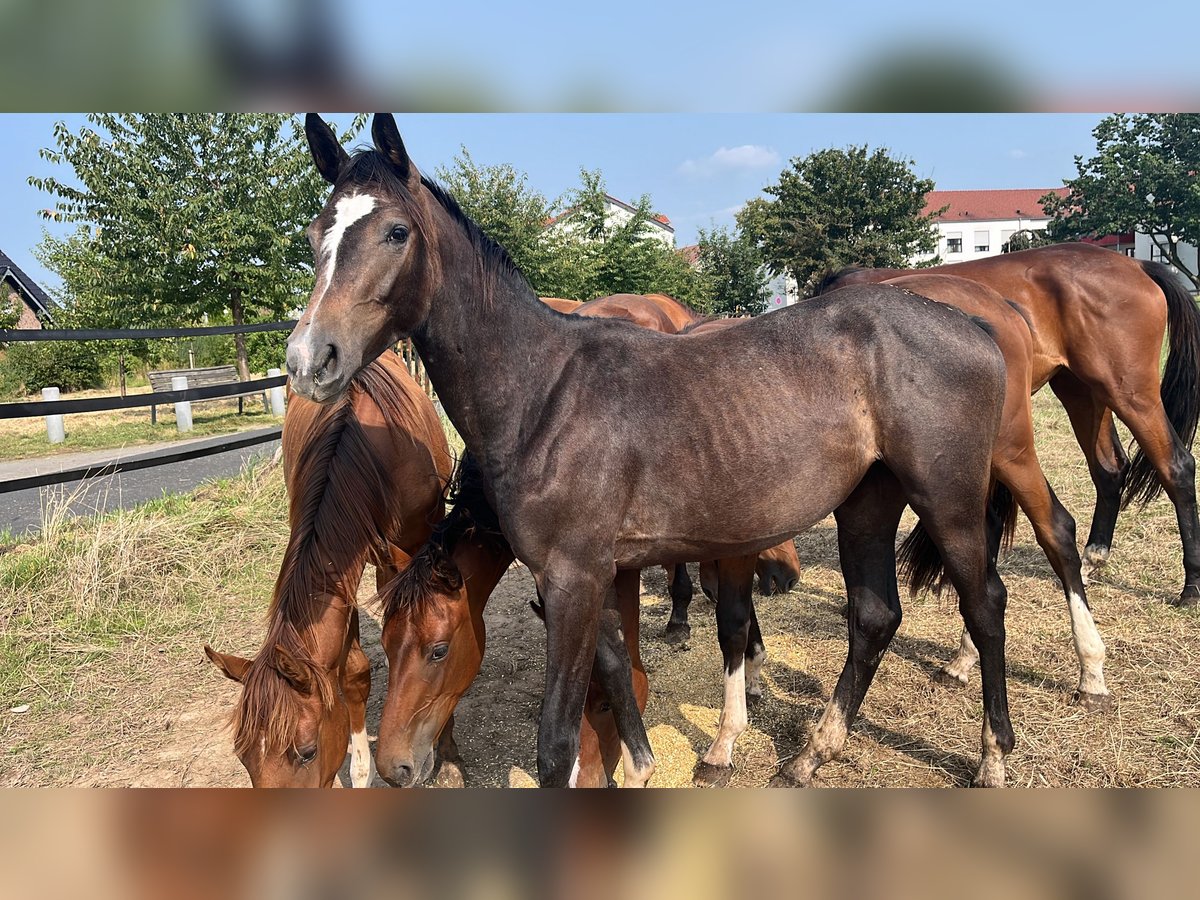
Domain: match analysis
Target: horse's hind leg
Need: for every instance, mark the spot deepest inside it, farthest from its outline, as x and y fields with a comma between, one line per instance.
x=867, y=523
x=735, y=588
x=619, y=663
x=1140, y=408
x=615, y=671
x=1108, y=465
x=756, y=655
x=679, y=587
x=356, y=689
x=1055, y=532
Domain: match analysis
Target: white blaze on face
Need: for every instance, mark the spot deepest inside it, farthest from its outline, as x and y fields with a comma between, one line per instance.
x=573, y=781
x=362, y=764
x=347, y=211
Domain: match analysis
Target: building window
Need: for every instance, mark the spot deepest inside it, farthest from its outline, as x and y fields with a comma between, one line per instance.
x=982, y=242
x=1156, y=253
x=1006, y=235
x=954, y=242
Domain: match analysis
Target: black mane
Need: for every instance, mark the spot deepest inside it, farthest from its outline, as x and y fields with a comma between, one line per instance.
x=370, y=167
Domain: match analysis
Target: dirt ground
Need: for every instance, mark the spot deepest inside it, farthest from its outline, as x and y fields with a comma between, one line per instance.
x=912, y=731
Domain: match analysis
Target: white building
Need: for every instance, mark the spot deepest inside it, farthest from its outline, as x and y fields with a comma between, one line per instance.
x=977, y=224
x=1145, y=248
x=617, y=213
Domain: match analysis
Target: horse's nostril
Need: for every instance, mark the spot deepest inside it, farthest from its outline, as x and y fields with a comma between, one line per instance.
x=325, y=362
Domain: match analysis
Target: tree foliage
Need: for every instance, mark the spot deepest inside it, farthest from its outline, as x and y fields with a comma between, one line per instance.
x=734, y=272
x=185, y=217
x=1144, y=177
x=836, y=208
x=612, y=256
x=10, y=307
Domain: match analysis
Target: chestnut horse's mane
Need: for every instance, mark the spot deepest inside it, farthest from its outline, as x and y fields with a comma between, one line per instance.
x=471, y=517
x=341, y=508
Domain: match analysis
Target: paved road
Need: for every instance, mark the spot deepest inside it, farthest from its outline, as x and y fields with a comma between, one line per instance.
x=21, y=511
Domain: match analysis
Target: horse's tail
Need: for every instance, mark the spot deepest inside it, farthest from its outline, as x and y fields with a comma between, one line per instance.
x=1180, y=390
x=831, y=277
x=920, y=562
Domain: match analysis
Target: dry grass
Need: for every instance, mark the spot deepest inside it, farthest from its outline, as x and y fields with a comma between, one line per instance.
x=101, y=621
x=102, y=624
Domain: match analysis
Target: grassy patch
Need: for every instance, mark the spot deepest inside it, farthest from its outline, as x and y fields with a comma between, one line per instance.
x=26, y=438
x=92, y=612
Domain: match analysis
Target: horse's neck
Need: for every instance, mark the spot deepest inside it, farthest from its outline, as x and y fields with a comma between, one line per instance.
x=491, y=355
x=482, y=565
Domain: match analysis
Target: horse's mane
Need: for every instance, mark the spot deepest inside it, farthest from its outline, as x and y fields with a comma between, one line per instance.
x=342, y=505
x=432, y=569
x=831, y=277
x=369, y=166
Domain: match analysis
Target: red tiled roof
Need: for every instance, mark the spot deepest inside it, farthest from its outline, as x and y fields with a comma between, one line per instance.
x=982, y=206
x=1125, y=239
x=691, y=253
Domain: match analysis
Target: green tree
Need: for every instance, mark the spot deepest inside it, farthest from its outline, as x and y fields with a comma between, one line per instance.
x=623, y=257
x=1142, y=178
x=735, y=273
x=837, y=208
x=191, y=217
x=10, y=307
x=500, y=200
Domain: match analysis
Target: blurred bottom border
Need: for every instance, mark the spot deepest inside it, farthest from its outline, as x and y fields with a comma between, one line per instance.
x=218, y=843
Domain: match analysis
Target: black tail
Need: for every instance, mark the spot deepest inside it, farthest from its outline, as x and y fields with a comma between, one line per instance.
x=920, y=563
x=1180, y=390
x=830, y=279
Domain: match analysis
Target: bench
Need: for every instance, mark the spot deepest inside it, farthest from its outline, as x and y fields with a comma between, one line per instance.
x=161, y=381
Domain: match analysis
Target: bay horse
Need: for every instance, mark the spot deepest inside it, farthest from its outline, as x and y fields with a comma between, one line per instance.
x=556, y=409
x=365, y=476
x=1015, y=466
x=436, y=607
x=1098, y=321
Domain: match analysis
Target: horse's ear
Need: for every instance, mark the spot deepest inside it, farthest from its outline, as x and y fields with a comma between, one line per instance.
x=387, y=141
x=326, y=151
x=286, y=665
x=234, y=667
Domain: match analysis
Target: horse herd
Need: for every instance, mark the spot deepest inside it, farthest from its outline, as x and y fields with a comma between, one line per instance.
x=892, y=388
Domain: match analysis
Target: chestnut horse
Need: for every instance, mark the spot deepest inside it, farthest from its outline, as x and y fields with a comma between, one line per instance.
x=1098, y=320
x=891, y=400
x=437, y=609
x=365, y=476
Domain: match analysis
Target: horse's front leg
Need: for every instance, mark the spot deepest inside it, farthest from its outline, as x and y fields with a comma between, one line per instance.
x=573, y=597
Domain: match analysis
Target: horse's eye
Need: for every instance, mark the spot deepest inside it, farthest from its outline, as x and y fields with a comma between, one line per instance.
x=439, y=652
x=398, y=234
x=306, y=755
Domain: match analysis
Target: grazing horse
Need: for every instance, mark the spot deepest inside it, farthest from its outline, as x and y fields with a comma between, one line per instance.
x=437, y=607
x=563, y=306
x=1098, y=320
x=365, y=477
x=893, y=399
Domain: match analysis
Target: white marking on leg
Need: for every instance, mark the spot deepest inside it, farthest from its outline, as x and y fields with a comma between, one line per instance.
x=754, y=669
x=574, y=779
x=734, y=719
x=635, y=777
x=1088, y=646
x=827, y=741
x=991, y=766
x=347, y=211
x=960, y=667
x=362, y=764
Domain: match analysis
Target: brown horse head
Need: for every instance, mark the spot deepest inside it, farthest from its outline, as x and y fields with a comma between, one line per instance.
x=363, y=300
x=292, y=724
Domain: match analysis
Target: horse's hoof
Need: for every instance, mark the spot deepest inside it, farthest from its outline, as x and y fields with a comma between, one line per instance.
x=946, y=679
x=708, y=775
x=677, y=633
x=782, y=779
x=754, y=699
x=1093, y=703
x=1189, y=597
x=449, y=775
x=988, y=779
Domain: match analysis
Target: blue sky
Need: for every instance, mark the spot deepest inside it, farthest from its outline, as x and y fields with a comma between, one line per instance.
x=698, y=168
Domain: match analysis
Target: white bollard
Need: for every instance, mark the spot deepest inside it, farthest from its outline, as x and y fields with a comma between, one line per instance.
x=183, y=410
x=55, y=430
x=275, y=393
